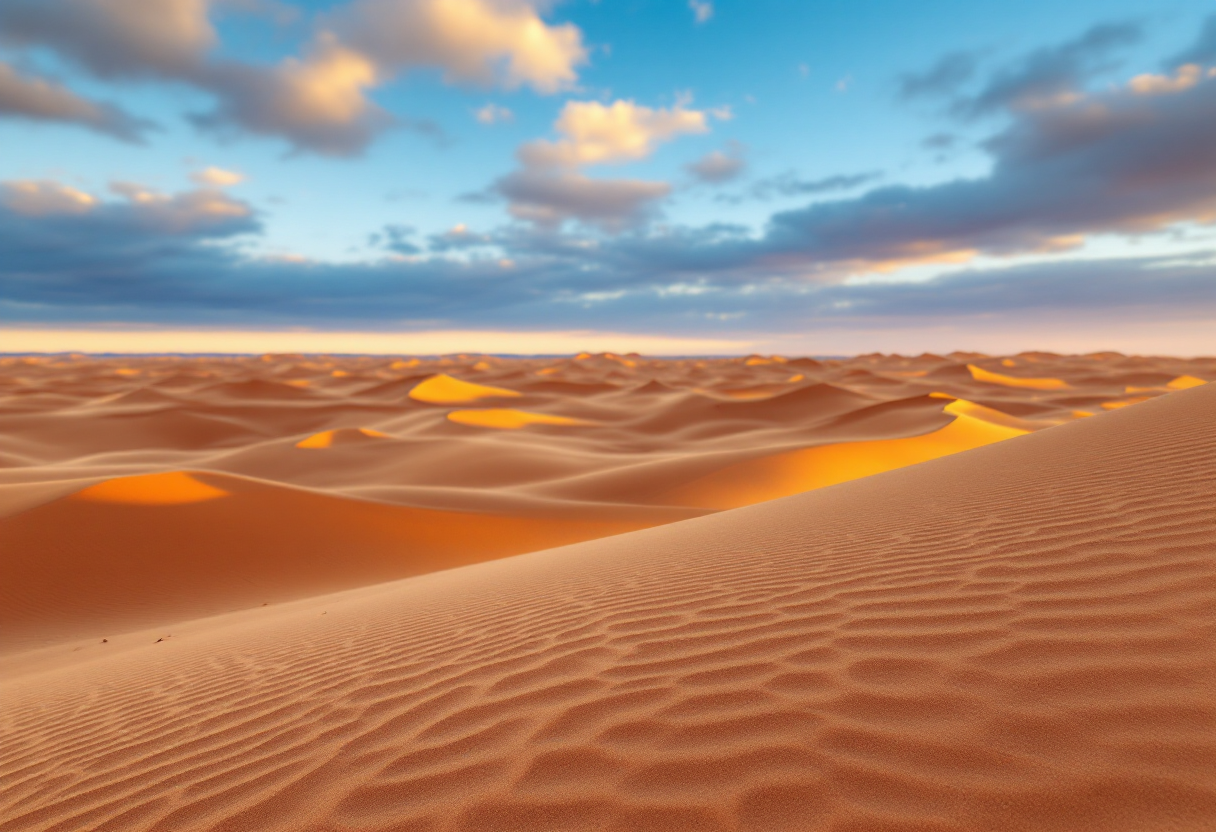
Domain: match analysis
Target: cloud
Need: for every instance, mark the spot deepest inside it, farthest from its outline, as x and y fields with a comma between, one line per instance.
x=789, y=184
x=1113, y=162
x=596, y=134
x=104, y=260
x=38, y=99
x=41, y=199
x=1051, y=75
x=493, y=114
x=944, y=78
x=550, y=188
x=396, y=238
x=702, y=10
x=320, y=101
x=217, y=177
x=115, y=38
x=1183, y=78
x=472, y=41
x=717, y=167
x=549, y=198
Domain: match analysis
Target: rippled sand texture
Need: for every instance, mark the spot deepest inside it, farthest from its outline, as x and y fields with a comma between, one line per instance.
x=142, y=492
x=1018, y=637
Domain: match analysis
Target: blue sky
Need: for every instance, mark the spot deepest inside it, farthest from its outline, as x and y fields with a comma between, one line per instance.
x=823, y=177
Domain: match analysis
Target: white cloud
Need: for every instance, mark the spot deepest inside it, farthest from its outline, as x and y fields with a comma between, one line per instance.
x=702, y=10
x=493, y=114
x=217, y=177
x=1185, y=77
x=477, y=41
x=594, y=133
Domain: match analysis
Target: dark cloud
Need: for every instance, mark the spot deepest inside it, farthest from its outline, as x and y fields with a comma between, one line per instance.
x=39, y=99
x=719, y=166
x=943, y=79
x=940, y=141
x=112, y=264
x=789, y=184
x=550, y=197
x=396, y=238
x=1045, y=75
x=1119, y=162
x=166, y=38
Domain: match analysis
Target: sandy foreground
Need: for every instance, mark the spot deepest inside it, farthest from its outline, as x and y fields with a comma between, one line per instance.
x=201, y=625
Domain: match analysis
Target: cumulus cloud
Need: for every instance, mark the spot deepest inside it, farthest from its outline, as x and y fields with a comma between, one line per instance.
x=550, y=187
x=623, y=131
x=38, y=99
x=719, y=166
x=319, y=101
x=702, y=10
x=472, y=41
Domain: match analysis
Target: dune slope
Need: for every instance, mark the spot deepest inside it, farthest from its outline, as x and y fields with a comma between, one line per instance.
x=1017, y=637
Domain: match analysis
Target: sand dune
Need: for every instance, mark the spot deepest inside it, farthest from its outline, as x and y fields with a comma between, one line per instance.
x=1017, y=637
x=149, y=550
x=306, y=474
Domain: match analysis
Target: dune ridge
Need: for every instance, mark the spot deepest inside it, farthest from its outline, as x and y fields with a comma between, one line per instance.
x=125, y=483
x=1017, y=637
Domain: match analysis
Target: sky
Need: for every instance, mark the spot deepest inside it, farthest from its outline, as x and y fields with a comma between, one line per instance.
x=665, y=176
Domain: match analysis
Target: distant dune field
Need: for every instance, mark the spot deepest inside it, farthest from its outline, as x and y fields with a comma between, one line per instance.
x=277, y=594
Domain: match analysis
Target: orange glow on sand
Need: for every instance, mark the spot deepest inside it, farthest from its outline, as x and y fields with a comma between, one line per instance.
x=980, y=374
x=508, y=419
x=169, y=488
x=443, y=389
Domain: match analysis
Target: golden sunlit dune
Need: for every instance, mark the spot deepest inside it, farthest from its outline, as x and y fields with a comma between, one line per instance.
x=794, y=472
x=989, y=377
x=443, y=389
x=1016, y=637
x=1185, y=383
x=507, y=419
x=169, y=488
x=326, y=438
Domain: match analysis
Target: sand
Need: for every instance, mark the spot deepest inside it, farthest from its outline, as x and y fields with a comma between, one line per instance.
x=141, y=492
x=1018, y=637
